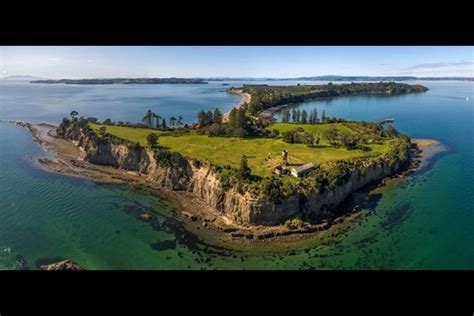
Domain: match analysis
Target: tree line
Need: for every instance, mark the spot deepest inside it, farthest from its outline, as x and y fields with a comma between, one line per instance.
x=302, y=117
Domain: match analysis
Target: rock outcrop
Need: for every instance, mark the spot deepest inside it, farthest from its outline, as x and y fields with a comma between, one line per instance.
x=65, y=265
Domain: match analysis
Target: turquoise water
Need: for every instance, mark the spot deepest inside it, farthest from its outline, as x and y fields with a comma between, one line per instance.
x=422, y=222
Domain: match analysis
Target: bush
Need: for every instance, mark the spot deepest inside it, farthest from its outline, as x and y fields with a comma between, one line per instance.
x=169, y=158
x=216, y=130
x=298, y=136
x=152, y=140
x=295, y=223
x=271, y=189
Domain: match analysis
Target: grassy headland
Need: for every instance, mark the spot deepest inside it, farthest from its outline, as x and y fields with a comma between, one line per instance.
x=263, y=154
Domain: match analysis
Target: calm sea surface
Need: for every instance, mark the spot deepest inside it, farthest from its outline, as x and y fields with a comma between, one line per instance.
x=423, y=222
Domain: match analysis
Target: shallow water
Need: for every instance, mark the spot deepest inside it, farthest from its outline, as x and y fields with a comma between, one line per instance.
x=422, y=222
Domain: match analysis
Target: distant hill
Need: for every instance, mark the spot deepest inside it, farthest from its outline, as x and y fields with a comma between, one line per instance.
x=345, y=78
x=125, y=81
x=20, y=78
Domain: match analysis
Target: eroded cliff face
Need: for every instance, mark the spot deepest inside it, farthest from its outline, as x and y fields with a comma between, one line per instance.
x=270, y=213
x=203, y=182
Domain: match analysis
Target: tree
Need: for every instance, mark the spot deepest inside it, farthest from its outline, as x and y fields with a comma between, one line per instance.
x=323, y=117
x=298, y=116
x=179, y=121
x=107, y=121
x=202, y=118
x=233, y=118
x=240, y=125
x=209, y=117
x=156, y=119
x=349, y=141
x=293, y=115
x=286, y=116
x=149, y=118
x=102, y=131
x=152, y=140
x=163, y=124
x=173, y=122
x=244, y=169
x=74, y=114
x=331, y=135
x=216, y=130
x=271, y=188
x=304, y=117
x=391, y=132
x=217, y=116
x=313, y=117
x=288, y=136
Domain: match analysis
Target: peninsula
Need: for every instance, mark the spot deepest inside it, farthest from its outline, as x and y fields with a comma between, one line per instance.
x=261, y=177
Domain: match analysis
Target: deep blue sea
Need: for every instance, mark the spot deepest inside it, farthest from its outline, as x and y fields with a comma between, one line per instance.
x=422, y=222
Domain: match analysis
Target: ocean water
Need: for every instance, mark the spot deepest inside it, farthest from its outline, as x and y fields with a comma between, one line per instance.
x=422, y=222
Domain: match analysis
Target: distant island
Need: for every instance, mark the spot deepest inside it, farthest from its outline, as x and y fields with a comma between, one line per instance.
x=124, y=81
x=20, y=78
x=206, y=80
x=345, y=78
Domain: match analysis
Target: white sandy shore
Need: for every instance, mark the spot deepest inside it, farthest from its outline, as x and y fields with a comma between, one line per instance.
x=245, y=98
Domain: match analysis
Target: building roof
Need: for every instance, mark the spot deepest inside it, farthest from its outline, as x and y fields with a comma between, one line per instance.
x=304, y=168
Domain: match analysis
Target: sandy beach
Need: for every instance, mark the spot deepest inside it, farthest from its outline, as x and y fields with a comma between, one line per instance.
x=245, y=98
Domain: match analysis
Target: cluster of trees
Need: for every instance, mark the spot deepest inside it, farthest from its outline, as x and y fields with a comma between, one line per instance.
x=208, y=118
x=239, y=124
x=348, y=140
x=302, y=117
x=152, y=120
x=298, y=136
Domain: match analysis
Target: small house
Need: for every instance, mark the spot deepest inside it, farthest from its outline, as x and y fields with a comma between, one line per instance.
x=279, y=170
x=302, y=170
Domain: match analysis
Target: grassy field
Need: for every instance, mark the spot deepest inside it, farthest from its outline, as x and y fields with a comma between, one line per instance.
x=263, y=153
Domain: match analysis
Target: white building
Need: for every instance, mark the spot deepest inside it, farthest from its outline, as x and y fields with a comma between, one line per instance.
x=302, y=170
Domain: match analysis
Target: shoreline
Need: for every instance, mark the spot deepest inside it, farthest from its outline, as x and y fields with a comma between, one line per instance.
x=69, y=159
x=245, y=98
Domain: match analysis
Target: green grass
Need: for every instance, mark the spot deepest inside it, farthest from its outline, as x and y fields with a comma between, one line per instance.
x=263, y=153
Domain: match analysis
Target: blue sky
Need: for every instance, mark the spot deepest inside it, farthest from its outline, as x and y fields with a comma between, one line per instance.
x=234, y=61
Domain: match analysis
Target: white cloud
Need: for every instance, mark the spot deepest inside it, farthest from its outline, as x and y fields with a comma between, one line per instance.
x=462, y=63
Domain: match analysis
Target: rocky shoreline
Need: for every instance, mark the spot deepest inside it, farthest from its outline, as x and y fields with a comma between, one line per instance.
x=69, y=159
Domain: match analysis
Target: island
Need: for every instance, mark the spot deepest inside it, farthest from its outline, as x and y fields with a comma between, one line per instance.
x=247, y=174
x=123, y=81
